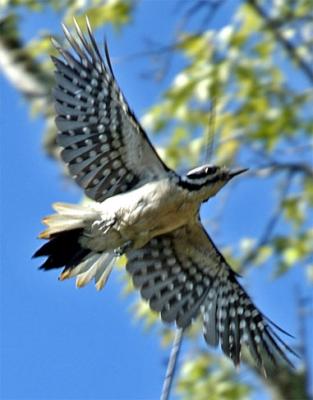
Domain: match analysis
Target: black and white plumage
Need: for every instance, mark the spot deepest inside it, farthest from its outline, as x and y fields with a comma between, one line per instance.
x=142, y=209
x=105, y=148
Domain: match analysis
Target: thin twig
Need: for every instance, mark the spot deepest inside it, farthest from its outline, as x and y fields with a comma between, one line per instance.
x=207, y=7
x=160, y=50
x=172, y=364
x=287, y=45
x=211, y=130
x=272, y=222
x=290, y=167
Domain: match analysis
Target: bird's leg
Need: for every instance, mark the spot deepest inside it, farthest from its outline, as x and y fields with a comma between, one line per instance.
x=122, y=249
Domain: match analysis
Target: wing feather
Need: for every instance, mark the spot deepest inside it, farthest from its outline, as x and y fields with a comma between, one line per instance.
x=96, y=125
x=182, y=274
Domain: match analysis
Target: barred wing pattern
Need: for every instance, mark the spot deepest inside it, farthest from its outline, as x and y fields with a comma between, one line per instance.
x=183, y=273
x=106, y=149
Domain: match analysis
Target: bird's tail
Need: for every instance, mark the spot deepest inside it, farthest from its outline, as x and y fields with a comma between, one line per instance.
x=63, y=249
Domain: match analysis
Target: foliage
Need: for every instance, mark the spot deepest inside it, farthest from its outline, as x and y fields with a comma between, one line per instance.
x=208, y=374
x=242, y=74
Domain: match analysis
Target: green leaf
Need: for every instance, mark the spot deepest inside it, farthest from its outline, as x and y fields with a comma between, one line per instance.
x=294, y=209
x=115, y=12
x=263, y=254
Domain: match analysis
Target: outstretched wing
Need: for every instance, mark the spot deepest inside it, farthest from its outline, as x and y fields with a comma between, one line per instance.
x=183, y=273
x=106, y=149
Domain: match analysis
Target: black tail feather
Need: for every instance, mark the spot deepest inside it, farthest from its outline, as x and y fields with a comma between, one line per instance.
x=62, y=250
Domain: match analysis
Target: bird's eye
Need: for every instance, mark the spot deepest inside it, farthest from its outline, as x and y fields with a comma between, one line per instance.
x=211, y=170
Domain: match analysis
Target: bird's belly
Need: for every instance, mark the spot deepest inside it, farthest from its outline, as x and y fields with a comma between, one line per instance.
x=150, y=220
x=140, y=215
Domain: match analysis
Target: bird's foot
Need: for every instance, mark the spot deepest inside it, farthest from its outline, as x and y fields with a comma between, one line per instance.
x=122, y=249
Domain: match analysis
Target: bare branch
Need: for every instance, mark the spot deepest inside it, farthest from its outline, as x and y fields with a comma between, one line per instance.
x=172, y=364
x=285, y=43
x=271, y=224
x=211, y=130
x=208, y=7
x=19, y=67
x=290, y=167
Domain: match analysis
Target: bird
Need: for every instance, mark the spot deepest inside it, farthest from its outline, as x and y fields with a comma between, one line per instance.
x=144, y=210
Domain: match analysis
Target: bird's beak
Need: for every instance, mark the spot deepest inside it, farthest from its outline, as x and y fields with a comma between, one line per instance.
x=237, y=171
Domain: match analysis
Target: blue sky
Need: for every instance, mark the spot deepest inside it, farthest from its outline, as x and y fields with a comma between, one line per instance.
x=62, y=343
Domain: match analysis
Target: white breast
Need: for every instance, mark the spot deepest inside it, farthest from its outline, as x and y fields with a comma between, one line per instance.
x=153, y=209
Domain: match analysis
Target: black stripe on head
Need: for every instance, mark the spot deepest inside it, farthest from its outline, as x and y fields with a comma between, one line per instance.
x=200, y=176
x=195, y=184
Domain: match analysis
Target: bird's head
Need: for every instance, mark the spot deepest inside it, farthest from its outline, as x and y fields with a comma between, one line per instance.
x=207, y=180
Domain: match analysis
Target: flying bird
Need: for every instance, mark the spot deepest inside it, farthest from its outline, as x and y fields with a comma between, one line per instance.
x=143, y=209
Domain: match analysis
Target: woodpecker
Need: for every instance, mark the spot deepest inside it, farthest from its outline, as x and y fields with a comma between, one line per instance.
x=143, y=209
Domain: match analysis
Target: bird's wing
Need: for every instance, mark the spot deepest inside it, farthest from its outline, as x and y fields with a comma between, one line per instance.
x=106, y=149
x=182, y=273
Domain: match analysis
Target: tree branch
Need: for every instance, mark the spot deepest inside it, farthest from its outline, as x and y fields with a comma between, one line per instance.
x=172, y=364
x=285, y=43
x=272, y=222
x=291, y=167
